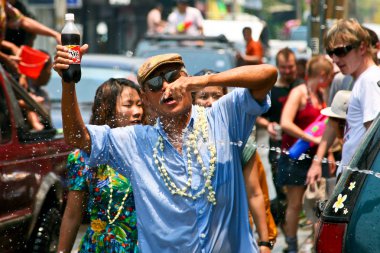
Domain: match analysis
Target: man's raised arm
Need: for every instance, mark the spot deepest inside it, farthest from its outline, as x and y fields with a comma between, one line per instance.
x=74, y=129
x=258, y=78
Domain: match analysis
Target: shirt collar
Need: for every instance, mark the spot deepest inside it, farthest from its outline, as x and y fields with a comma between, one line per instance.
x=194, y=114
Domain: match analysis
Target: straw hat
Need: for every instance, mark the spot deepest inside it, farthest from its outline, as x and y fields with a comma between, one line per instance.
x=339, y=105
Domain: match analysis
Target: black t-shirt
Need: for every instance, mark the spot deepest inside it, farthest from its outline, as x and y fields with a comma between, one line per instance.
x=279, y=95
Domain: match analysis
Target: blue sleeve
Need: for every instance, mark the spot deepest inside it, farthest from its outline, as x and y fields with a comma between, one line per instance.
x=109, y=146
x=238, y=111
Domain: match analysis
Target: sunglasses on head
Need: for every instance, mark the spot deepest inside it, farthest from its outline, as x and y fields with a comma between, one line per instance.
x=155, y=83
x=341, y=51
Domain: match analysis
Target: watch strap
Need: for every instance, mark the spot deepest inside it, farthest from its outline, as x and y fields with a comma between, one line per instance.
x=268, y=244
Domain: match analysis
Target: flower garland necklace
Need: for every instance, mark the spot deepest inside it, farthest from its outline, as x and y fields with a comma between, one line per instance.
x=111, y=221
x=200, y=125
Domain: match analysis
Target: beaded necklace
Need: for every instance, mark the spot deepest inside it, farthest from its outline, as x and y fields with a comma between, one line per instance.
x=111, y=221
x=200, y=125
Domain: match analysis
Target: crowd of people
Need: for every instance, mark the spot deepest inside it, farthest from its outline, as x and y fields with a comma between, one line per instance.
x=170, y=163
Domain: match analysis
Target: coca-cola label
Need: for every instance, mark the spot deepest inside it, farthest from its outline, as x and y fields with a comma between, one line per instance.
x=74, y=51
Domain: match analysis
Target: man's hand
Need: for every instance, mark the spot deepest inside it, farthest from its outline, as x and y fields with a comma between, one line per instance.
x=264, y=249
x=184, y=84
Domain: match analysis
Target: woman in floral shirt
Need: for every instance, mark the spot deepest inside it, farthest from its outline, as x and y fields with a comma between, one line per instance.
x=108, y=194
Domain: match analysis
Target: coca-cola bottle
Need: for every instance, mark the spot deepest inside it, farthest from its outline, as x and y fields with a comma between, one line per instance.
x=70, y=38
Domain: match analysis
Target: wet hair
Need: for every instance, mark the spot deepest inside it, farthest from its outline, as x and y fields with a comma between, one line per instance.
x=346, y=32
x=286, y=53
x=317, y=64
x=104, y=107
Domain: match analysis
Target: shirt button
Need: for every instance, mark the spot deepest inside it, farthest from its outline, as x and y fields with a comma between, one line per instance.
x=202, y=236
x=201, y=211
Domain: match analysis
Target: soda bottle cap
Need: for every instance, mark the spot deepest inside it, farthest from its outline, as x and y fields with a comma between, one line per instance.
x=69, y=16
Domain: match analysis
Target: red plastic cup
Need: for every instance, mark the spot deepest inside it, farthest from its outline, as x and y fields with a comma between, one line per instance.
x=32, y=61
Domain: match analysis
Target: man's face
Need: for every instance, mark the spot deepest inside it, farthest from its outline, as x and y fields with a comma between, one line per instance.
x=181, y=7
x=154, y=98
x=247, y=35
x=207, y=96
x=287, y=68
x=350, y=61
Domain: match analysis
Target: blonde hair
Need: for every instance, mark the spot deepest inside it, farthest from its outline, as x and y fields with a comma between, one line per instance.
x=346, y=32
x=318, y=64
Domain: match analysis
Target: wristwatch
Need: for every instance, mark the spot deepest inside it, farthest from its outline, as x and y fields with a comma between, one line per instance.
x=268, y=244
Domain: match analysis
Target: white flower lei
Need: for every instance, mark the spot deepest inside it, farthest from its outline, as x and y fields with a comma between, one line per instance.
x=111, y=221
x=199, y=125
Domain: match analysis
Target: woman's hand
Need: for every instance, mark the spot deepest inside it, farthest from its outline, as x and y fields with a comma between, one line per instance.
x=62, y=59
x=314, y=174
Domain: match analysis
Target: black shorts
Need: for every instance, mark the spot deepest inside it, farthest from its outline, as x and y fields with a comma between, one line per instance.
x=294, y=172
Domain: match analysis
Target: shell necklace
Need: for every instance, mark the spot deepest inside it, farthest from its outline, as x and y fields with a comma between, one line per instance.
x=200, y=125
x=111, y=221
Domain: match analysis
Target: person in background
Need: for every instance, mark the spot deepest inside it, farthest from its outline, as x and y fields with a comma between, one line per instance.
x=253, y=171
x=13, y=18
x=301, y=68
x=286, y=65
x=106, y=193
x=301, y=109
x=337, y=112
x=185, y=20
x=39, y=94
x=19, y=36
x=188, y=197
x=254, y=51
x=355, y=54
x=154, y=20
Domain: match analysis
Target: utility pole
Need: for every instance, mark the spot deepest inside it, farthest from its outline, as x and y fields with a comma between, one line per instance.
x=323, y=14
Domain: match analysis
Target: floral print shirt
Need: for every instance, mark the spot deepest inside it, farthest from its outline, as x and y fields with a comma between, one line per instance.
x=102, y=235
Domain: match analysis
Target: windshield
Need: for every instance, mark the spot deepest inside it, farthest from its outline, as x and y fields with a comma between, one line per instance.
x=86, y=88
x=197, y=59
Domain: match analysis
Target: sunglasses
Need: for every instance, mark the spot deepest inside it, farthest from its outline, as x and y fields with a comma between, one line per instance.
x=341, y=51
x=155, y=84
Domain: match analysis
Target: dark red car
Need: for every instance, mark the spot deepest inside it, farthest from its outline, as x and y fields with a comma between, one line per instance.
x=32, y=167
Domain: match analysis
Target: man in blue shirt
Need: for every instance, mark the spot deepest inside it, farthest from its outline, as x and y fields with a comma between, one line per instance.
x=185, y=171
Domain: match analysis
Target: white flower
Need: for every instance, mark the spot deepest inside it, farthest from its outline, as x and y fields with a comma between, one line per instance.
x=339, y=202
x=352, y=186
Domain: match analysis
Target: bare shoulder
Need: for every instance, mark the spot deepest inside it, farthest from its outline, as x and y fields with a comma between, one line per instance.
x=298, y=91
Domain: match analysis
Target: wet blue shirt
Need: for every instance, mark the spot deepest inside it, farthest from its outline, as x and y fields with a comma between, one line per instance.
x=171, y=223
